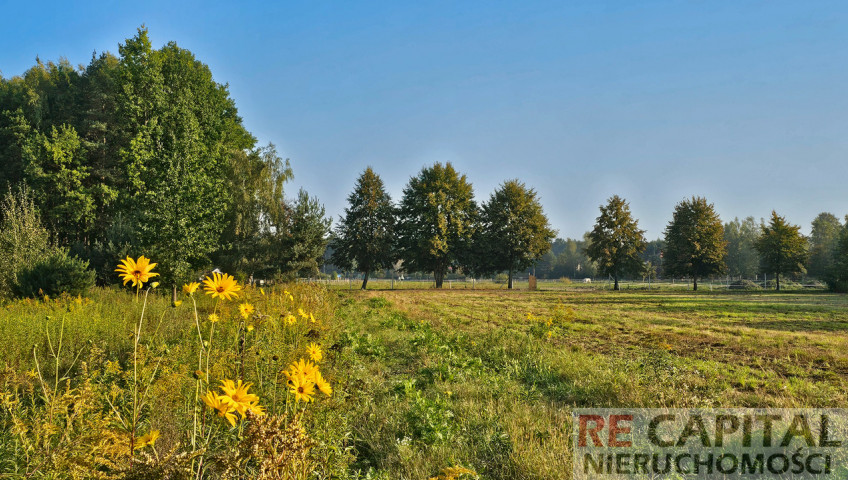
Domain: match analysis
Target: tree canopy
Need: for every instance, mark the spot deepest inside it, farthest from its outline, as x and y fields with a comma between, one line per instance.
x=616, y=242
x=515, y=231
x=436, y=221
x=364, y=237
x=695, y=245
x=145, y=153
x=782, y=248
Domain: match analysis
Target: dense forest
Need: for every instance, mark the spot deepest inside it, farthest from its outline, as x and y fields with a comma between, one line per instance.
x=145, y=153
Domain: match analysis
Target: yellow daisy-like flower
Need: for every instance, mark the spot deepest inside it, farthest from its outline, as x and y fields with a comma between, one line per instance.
x=246, y=310
x=311, y=318
x=221, y=285
x=235, y=394
x=302, y=313
x=301, y=368
x=323, y=385
x=217, y=403
x=290, y=319
x=147, y=439
x=302, y=388
x=315, y=352
x=138, y=272
x=190, y=288
x=256, y=409
x=213, y=317
x=177, y=303
x=288, y=295
x=262, y=291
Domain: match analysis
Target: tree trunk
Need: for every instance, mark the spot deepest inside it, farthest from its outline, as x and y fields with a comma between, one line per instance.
x=616, y=287
x=694, y=284
x=439, y=277
x=509, y=281
x=778, y=282
x=365, y=281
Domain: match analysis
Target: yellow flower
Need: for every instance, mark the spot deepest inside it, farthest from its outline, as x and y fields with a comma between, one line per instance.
x=221, y=285
x=302, y=388
x=262, y=291
x=301, y=367
x=138, y=272
x=323, y=385
x=549, y=334
x=250, y=327
x=311, y=318
x=177, y=303
x=154, y=284
x=224, y=409
x=290, y=319
x=213, y=317
x=235, y=394
x=190, y=288
x=315, y=352
x=288, y=295
x=256, y=409
x=246, y=310
x=302, y=313
x=147, y=439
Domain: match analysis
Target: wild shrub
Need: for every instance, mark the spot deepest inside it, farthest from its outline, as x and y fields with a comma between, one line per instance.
x=23, y=238
x=53, y=275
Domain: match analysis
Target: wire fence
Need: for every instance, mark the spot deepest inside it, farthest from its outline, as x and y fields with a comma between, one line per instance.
x=523, y=283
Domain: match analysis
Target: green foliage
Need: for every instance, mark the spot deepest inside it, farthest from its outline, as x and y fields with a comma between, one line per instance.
x=437, y=219
x=303, y=238
x=782, y=248
x=695, y=244
x=256, y=183
x=514, y=230
x=742, y=258
x=616, y=242
x=837, y=278
x=55, y=274
x=23, y=239
x=364, y=237
x=824, y=240
x=150, y=140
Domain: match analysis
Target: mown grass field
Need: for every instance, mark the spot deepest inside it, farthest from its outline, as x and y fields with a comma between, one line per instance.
x=427, y=379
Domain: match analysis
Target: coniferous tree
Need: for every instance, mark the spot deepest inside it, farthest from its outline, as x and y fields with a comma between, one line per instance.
x=695, y=245
x=616, y=242
x=515, y=231
x=782, y=248
x=436, y=221
x=365, y=236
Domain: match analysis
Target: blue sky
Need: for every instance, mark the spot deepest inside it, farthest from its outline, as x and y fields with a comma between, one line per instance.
x=741, y=102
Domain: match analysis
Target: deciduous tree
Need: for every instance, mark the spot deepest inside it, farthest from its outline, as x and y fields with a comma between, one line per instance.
x=365, y=235
x=515, y=231
x=436, y=221
x=782, y=248
x=695, y=245
x=616, y=242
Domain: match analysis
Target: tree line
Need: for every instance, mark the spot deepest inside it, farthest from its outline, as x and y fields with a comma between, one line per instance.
x=696, y=245
x=438, y=227
x=145, y=153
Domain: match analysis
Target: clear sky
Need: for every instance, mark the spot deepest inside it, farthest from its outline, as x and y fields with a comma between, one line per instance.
x=742, y=102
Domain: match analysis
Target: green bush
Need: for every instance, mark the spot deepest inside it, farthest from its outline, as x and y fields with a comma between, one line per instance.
x=23, y=239
x=53, y=275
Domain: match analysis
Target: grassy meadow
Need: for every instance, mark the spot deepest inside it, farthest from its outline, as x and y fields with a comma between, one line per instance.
x=422, y=380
